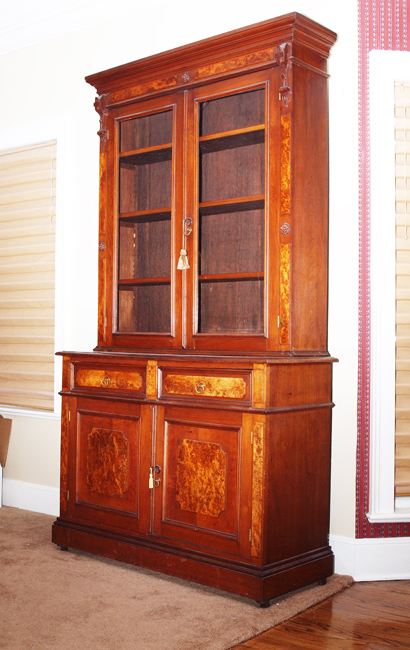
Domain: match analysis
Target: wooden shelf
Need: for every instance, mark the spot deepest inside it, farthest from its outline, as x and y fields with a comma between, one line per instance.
x=147, y=155
x=232, y=139
x=145, y=216
x=230, y=277
x=136, y=282
x=241, y=204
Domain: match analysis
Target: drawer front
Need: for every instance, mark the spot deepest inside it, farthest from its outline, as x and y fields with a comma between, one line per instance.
x=198, y=385
x=110, y=380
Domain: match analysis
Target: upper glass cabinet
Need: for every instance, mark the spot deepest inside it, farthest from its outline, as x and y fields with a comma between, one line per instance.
x=208, y=195
x=214, y=194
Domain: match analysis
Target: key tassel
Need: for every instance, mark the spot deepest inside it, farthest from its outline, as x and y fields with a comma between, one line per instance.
x=183, y=262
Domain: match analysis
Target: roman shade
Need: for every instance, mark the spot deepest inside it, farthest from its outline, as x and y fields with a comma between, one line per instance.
x=27, y=270
x=402, y=161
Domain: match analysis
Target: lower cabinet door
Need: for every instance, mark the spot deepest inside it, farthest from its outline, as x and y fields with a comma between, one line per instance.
x=109, y=452
x=204, y=496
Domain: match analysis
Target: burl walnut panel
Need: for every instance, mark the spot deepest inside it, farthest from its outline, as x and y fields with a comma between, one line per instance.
x=201, y=477
x=107, y=462
x=257, y=488
x=284, y=294
x=109, y=379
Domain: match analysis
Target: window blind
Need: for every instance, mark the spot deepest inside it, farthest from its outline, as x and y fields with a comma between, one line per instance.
x=27, y=278
x=402, y=160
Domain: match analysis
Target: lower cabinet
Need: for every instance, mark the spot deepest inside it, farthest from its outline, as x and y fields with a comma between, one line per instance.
x=108, y=464
x=232, y=496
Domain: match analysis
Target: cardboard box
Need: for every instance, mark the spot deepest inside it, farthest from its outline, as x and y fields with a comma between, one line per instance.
x=5, y=430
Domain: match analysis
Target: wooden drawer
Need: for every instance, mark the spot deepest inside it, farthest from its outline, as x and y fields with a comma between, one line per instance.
x=109, y=379
x=208, y=385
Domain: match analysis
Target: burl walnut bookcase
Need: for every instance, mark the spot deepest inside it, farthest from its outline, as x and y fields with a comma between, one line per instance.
x=196, y=436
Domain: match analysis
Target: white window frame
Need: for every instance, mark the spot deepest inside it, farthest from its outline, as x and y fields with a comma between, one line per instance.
x=385, y=68
x=57, y=129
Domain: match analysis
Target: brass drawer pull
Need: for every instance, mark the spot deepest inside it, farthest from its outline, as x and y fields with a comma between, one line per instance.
x=200, y=388
x=105, y=381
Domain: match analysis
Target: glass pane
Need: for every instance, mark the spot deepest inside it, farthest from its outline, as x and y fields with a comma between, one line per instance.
x=145, y=187
x=232, y=242
x=232, y=214
x=232, y=173
x=234, y=307
x=232, y=112
x=145, y=250
x=144, y=308
x=144, y=235
x=146, y=131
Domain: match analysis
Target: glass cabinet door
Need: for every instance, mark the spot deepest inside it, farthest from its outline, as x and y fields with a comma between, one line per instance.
x=229, y=208
x=191, y=261
x=147, y=202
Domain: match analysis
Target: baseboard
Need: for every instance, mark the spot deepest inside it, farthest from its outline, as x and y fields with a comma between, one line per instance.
x=30, y=496
x=372, y=559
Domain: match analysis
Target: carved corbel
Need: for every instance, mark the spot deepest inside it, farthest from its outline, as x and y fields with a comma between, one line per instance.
x=100, y=107
x=282, y=56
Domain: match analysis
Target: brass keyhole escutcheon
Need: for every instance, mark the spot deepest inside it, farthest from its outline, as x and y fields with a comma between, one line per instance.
x=187, y=227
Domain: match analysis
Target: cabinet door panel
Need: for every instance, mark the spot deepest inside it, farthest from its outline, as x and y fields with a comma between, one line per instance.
x=111, y=460
x=204, y=497
x=146, y=199
x=233, y=197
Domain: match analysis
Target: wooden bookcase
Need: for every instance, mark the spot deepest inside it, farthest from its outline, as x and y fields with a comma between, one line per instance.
x=196, y=436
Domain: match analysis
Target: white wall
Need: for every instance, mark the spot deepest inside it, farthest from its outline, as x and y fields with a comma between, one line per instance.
x=43, y=84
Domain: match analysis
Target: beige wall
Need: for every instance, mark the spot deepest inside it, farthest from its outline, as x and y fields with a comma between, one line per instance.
x=43, y=92
x=34, y=451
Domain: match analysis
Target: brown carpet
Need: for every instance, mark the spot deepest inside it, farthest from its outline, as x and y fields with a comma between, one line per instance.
x=75, y=601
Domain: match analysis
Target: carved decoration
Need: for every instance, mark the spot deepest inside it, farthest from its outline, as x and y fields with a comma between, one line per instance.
x=285, y=228
x=282, y=56
x=102, y=246
x=102, y=111
x=185, y=77
x=284, y=294
x=107, y=462
x=230, y=387
x=257, y=488
x=201, y=478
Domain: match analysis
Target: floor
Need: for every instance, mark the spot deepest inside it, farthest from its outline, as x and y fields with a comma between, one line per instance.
x=372, y=615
